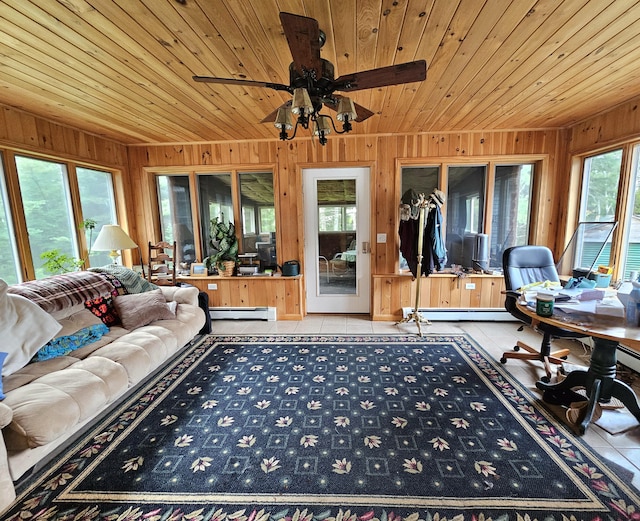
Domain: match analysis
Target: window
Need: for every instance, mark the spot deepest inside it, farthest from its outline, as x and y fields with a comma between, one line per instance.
x=258, y=210
x=600, y=185
x=176, y=223
x=336, y=218
x=56, y=199
x=46, y=201
x=243, y=198
x=511, y=209
x=631, y=253
x=98, y=204
x=216, y=200
x=9, y=267
x=478, y=229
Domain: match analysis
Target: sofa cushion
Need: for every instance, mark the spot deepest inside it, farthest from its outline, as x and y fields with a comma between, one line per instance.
x=140, y=309
x=73, y=394
x=24, y=328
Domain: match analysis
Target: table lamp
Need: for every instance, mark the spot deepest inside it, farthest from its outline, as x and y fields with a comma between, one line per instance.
x=113, y=238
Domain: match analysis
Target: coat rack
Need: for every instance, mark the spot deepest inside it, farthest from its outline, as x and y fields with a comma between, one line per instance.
x=423, y=204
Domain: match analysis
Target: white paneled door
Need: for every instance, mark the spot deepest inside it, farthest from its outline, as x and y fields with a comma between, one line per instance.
x=337, y=245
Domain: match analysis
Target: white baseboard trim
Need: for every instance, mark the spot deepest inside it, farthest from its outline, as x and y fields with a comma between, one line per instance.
x=452, y=315
x=243, y=313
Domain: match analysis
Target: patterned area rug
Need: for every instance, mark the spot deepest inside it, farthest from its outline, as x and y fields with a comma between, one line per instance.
x=338, y=428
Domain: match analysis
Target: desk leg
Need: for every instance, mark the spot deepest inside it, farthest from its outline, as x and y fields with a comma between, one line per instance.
x=599, y=381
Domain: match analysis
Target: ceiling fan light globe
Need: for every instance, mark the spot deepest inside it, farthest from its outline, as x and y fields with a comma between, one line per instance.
x=322, y=126
x=346, y=110
x=284, y=119
x=301, y=102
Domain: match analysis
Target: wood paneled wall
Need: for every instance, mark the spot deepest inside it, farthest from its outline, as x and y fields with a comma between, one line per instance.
x=27, y=132
x=383, y=154
x=619, y=124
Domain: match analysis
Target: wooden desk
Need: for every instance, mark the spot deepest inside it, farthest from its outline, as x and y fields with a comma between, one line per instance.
x=599, y=380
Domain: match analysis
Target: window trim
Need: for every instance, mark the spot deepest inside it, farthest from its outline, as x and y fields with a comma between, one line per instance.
x=26, y=269
x=623, y=203
x=540, y=166
x=150, y=197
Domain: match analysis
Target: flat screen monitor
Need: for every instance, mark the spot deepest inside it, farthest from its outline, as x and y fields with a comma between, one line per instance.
x=267, y=255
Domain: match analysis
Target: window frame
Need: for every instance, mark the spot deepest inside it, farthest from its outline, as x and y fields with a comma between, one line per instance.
x=624, y=203
x=538, y=161
x=26, y=270
x=192, y=172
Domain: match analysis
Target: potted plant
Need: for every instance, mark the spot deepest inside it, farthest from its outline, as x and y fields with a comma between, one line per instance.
x=223, y=247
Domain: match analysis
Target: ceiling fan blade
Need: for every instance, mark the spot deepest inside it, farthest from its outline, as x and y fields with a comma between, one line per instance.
x=272, y=117
x=245, y=83
x=383, y=76
x=303, y=36
x=362, y=112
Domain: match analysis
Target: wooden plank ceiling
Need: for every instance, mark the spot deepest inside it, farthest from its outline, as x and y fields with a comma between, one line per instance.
x=122, y=68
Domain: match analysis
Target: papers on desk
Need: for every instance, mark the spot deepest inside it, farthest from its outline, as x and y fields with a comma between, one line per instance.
x=583, y=302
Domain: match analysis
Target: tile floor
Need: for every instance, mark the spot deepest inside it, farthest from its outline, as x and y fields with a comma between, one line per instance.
x=494, y=337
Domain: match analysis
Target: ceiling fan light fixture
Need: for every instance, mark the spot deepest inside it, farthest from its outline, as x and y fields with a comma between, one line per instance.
x=346, y=110
x=283, y=120
x=301, y=103
x=322, y=128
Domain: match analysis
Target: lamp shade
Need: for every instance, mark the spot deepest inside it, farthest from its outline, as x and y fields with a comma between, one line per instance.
x=112, y=238
x=301, y=103
x=322, y=126
x=283, y=118
x=346, y=109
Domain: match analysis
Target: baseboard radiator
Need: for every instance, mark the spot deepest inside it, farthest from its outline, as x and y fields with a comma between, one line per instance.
x=243, y=313
x=443, y=314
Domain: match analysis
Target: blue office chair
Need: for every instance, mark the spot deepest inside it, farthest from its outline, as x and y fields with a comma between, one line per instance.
x=523, y=265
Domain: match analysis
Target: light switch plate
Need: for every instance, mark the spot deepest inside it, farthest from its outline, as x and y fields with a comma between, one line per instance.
x=381, y=238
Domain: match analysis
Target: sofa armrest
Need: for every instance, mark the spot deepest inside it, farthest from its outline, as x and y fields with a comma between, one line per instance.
x=6, y=415
x=7, y=492
x=181, y=294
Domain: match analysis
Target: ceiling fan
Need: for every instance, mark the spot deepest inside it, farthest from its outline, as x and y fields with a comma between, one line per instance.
x=312, y=83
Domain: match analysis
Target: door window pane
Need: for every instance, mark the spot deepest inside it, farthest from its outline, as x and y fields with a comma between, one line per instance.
x=601, y=177
x=511, y=209
x=465, y=213
x=9, y=268
x=47, y=208
x=98, y=204
x=176, y=222
x=337, y=241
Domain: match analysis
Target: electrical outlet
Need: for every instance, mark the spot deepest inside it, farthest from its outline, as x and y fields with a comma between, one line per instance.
x=470, y=285
x=212, y=286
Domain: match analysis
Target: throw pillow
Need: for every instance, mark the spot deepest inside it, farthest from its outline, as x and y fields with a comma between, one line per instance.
x=140, y=309
x=65, y=344
x=24, y=328
x=102, y=307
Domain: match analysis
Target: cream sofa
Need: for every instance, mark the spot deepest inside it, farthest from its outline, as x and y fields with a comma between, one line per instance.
x=46, y=402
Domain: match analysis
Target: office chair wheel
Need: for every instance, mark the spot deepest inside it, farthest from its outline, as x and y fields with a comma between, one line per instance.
x=503, y=360
x=516, y=348
x=545, y=379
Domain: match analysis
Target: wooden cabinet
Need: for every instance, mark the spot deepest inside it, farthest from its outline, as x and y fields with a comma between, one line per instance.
x=283, y=293
x=391, y=293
